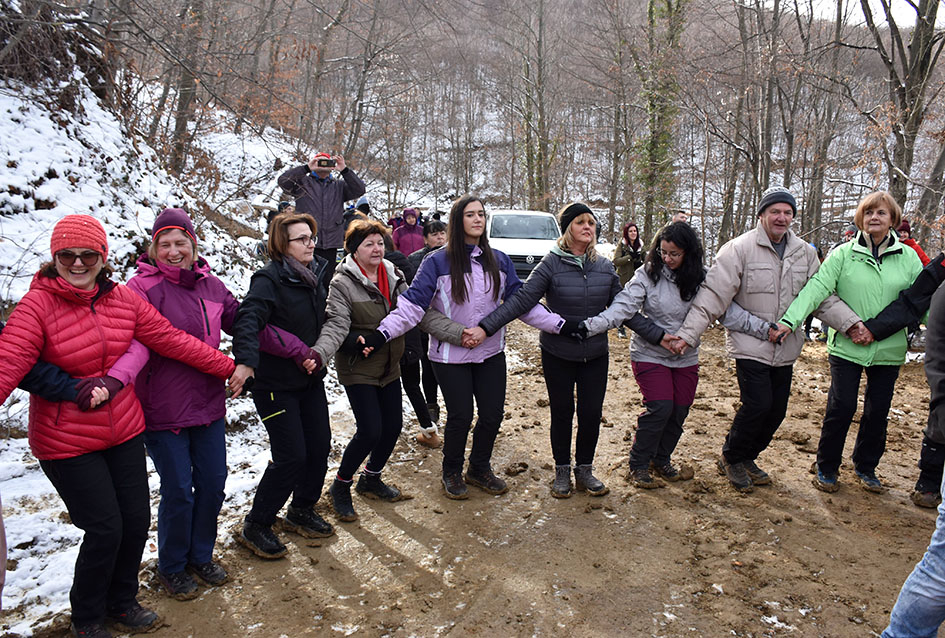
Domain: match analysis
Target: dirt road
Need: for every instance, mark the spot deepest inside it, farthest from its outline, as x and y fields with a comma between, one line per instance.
x=691, y=559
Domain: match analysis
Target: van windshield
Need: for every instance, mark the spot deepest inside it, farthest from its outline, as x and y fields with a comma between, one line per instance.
x=524, y=227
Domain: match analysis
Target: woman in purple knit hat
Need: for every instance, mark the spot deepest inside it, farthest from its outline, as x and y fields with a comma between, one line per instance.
x=183, y=407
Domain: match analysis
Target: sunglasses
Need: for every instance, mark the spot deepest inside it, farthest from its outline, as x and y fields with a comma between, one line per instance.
x=67, y=258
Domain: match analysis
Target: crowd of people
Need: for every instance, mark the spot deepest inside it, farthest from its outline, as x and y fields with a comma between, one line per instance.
x=427, y=306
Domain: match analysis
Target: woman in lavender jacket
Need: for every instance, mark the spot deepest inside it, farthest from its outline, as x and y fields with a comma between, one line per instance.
x=466, y=282
x=183, y=407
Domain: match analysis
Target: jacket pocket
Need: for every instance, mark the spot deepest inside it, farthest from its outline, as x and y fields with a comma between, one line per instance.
x=759, y=278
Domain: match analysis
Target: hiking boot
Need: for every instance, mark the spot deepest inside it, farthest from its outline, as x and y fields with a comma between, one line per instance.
x=757, y=475
x=429, y=438
x=434, y=410
x=641, y=477
x=454, y=486
x=826, y=482
x=340, y=492
x=561, y=488
x=261, y=540
x=869, y=482
x=926, y=499
x=306, y=522
x=487, y=481
x=669, y=472
x=135, y=619
x=371, y=486
x=736, y=475
x=95, y=630
x=179, y=585
x=584, y=479
x=210, y=573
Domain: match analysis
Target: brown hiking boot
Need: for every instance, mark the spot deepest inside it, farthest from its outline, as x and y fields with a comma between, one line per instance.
x=487, y=481
x=736, y=474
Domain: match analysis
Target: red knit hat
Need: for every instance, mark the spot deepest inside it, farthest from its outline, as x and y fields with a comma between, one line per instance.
x=79, y=231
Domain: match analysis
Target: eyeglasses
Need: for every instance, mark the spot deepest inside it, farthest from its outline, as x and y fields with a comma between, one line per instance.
x=671, y=255
x=306, y=240
x=67, y=258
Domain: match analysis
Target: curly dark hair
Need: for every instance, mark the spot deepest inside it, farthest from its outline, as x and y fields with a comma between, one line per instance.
x=691, y=272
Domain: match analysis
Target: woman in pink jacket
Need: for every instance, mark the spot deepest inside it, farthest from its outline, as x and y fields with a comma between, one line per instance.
x=75, y=317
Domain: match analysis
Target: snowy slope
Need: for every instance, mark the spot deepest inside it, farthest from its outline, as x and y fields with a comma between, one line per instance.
x=53, y=164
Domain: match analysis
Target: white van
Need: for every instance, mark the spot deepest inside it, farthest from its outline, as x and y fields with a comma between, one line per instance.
x=524, y=235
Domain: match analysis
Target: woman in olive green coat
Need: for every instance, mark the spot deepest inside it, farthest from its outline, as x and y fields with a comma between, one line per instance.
x=363, y=291
x=867, y=273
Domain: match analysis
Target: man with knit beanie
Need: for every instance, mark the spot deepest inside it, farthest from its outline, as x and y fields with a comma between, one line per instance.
x=762, y=270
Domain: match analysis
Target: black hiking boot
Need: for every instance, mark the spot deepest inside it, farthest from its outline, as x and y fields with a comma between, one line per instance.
x=180, y=585
x=262, y=541
x=487, y=481
x=340, y=492
x=561, y=487
x=210, y=573
x=95, y=630
x=669, y=472
x=585, y=480
x=455, y=487
x=757, y=475
x=135, y=619
x=736, y=474
x=306, y=522
x=641, y=478
x=371, y=486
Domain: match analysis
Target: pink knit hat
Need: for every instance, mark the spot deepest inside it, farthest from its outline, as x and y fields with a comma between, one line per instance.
x=79, y=231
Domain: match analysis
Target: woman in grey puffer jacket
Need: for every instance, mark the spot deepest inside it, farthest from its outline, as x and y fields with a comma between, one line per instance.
x=662, y=290
x=576, y=283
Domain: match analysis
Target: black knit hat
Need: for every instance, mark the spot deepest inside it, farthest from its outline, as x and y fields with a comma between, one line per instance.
x=777, y=195
x=571, y=212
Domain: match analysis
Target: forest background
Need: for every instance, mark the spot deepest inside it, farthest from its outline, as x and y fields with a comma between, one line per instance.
x=639, y=108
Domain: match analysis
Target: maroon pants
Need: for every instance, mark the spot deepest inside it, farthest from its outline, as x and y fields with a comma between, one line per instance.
x=667, y=394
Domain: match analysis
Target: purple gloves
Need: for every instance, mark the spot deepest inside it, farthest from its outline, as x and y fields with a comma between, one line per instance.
x=84, y=388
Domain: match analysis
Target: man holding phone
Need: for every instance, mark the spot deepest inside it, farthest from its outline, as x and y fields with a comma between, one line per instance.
x=322, y=196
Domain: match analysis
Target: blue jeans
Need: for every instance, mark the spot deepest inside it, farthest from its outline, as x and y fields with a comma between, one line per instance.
x=920, y=608
x=192, y=465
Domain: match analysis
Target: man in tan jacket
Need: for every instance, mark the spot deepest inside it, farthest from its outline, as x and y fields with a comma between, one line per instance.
x=762, y=270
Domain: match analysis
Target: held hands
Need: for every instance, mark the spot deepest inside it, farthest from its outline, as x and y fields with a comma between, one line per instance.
x=574, y=329
x=240, y=380
x=372, y=342
x=777, y=332
x=95, y=391
x=671, y=342
x=860, y=334
x=472, y=337
x=313, y=363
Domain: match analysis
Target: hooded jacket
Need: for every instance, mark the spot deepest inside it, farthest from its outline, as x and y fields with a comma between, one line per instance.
x=432, y=288
x=85, y=334
x=172, y=394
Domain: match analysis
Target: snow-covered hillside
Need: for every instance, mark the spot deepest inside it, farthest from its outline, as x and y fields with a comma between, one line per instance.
x=56, y=163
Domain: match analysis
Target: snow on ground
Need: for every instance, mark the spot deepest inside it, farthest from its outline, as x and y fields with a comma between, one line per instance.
x=56, y=164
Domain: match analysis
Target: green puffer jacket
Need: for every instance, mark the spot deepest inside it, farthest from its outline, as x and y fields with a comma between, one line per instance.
x=867, y=285
x=356, y=305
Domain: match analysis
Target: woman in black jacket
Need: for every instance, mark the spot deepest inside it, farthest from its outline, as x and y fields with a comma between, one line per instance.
x=289, y=394
x=577, y=283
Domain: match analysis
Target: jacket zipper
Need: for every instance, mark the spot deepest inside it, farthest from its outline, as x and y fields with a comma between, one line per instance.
x=206, y=318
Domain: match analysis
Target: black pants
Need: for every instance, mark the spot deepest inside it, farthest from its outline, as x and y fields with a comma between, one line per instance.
x=460, y=382
x=410, y=375
x=379, y=418
x=841, y=406
x=429, y=378
x=299, y=439
x=561, y=378
x=764, y=393
x=107, y=496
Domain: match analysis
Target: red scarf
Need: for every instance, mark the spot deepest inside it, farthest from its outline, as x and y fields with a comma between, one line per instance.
x=382, y=284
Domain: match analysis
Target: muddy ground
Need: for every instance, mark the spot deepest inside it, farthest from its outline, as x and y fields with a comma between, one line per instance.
x=690, y=559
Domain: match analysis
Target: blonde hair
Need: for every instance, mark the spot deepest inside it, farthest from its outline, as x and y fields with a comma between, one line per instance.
x=875, y=200
x=566, y=239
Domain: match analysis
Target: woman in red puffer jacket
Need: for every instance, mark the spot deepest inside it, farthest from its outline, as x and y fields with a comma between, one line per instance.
x=75, y=317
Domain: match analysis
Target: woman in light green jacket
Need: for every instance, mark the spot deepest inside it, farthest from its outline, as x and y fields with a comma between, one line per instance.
x=867, y=273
